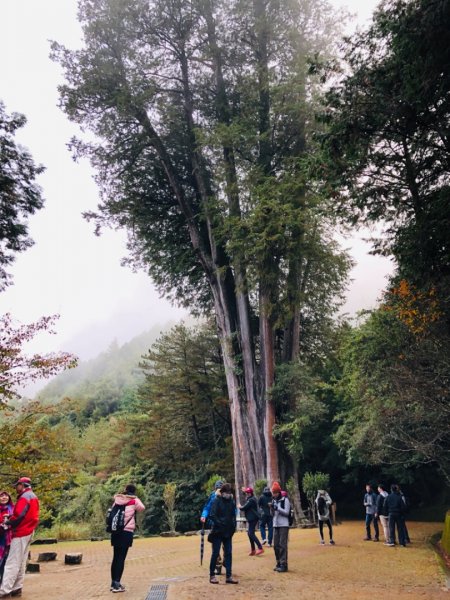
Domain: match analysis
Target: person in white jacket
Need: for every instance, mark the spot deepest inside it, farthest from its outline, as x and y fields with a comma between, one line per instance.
x=122, y=540
x=323, y=504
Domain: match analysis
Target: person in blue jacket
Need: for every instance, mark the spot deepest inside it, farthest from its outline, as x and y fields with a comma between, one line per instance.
x=206, y=521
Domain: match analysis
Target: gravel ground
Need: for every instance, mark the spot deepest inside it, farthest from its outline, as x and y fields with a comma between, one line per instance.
x=351, y=570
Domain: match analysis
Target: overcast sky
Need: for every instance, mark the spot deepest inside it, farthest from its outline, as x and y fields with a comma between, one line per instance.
x=69, y=271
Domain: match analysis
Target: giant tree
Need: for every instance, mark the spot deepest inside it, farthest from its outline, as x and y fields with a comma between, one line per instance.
x=20, y=196
x=201, y=115
x=386, y=152
x=386, y=159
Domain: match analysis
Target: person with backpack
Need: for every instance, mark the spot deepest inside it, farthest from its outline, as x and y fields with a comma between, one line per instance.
x=370, y=503
x=121, y=523
x=323, y=504
x=265, y=517
x=281, y=510
x=206, y=521
x=250, y=509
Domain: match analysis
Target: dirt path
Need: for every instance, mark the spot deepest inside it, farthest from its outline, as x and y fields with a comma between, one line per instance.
x=351, y=570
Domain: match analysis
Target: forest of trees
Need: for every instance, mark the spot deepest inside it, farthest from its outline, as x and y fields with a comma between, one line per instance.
x=232, y=141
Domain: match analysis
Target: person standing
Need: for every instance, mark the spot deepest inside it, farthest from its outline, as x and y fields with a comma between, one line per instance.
x=6, y=510
x=265, y=519
x=393, y=505
x=207, y=508
x=381, y=512
x=250, y=509
x=323, y=504
x=280, y=511
x=370, y=502
x=122, y=540
x=205, y=520
x=404, y=513
x=223, y=518
x=23, y=522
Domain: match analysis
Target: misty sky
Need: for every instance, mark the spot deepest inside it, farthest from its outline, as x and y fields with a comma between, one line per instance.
x=69, y=271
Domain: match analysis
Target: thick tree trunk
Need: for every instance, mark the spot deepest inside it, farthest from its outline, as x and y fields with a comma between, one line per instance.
x=268, y=377
x=248, y=443
x=245, y=334
x=299, y=514
x=267, y=293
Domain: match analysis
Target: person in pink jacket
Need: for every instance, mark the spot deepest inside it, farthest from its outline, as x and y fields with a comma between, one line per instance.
x=122, y=540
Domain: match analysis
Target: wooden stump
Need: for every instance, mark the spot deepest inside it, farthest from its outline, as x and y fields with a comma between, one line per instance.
x=47, y=556
x=73, y=559
x=33, y=568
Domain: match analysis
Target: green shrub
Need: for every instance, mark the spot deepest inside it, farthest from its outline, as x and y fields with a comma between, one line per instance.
x=260, y=484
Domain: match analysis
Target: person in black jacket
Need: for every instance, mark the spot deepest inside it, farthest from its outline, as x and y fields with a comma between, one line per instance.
x=223, y=518
x=250, y=510
x=266, y=519
x=393, y=505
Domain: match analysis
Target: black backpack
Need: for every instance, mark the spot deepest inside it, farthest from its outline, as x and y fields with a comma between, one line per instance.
x=115, y=518
x=291, y=514
x=321, y=506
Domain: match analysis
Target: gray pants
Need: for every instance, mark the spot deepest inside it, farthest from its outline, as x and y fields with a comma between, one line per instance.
x=15, y=565
x=280, y=545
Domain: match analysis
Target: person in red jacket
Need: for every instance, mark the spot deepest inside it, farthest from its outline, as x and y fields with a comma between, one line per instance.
x=23, y=522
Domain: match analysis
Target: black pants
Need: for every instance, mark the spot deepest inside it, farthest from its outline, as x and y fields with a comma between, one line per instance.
x=227, y=554
x=120, y=542
x=330, y=529
x=118, y=562
x=396, y=520
x=252, y=535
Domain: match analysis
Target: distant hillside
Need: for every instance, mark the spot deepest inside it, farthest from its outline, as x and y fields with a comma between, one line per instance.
x=115, y=370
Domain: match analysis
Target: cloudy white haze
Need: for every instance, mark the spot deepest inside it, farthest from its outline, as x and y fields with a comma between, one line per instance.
x=69, y=271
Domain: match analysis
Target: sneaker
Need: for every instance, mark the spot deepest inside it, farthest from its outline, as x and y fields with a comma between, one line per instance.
x=367, y=539
x=260, y=551
x=391, y=544
x=231, y=580
x=282, y=569
x=252, y=553
x=332, y=543
x=277, y=566
x=322, y=543
x=213, y=579
x=376, y=540
x=116, y=590
x=269, y=545
x=264, y=542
